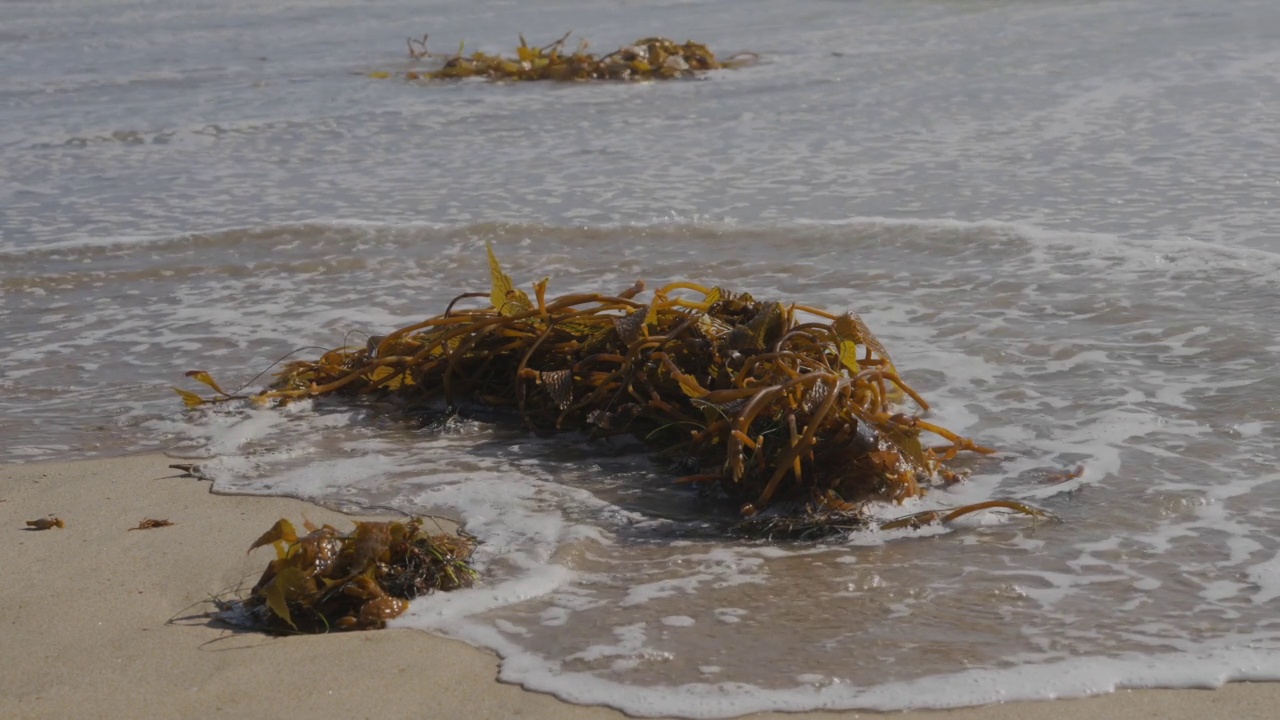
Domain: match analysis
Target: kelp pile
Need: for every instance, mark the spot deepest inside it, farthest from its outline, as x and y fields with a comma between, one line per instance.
x=774, y=405
x=652, y=58
x=328, y=581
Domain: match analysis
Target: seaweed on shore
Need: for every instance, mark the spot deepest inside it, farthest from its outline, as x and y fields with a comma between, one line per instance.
x=776, y=406
x=46, y=523
x=328, y=581
x=152, y=523
x=653, y=58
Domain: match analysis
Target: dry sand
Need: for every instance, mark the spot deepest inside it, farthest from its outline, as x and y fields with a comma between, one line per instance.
x=98, y=621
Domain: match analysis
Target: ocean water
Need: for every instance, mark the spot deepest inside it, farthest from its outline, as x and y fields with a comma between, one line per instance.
x=1060, y=217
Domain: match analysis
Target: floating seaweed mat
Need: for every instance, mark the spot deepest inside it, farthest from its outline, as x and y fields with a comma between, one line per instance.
x=328, y=581
x=652, y=58
x=777, y=406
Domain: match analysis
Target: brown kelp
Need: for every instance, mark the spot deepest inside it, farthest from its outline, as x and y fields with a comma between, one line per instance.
x=774, y=405
x=152, y=523
x=46, y=523
x=328, y=581
x=652, y=58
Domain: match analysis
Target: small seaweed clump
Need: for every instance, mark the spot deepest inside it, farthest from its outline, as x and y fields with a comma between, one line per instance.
x=652, y=58
x=325, y=581
x=775, y=405
x=45, y=523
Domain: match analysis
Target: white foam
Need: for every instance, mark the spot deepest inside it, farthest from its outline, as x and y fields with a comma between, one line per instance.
x=442, y=611
x=1266, y=576
x=1075, y=677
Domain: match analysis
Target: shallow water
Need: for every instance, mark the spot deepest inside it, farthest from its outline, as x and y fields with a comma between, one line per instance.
x=1060, y=218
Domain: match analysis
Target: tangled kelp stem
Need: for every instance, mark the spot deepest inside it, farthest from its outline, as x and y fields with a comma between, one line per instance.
x=771, y=404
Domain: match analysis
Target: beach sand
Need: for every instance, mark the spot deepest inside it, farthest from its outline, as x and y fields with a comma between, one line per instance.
x=102, y=622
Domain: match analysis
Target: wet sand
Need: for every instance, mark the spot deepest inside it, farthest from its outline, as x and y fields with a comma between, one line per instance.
x=99, y=621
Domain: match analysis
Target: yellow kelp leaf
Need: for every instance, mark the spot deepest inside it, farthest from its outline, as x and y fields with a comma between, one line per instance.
x=517, y=302
x=849, y=356
x=457, y=69
x=540, y=292
x=189, y=399
x=908, y=443
x=651, y=315
x=851, y=326
x=383, y=372
x=506, y=299
x=288, y=583
x=204, y=377
x=690, y=386
x=282, y=530
x=380, y=75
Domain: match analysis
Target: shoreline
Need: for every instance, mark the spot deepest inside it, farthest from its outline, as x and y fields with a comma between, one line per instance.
x=100, y=621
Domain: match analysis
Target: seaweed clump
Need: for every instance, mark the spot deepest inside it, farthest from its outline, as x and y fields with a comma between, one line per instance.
x=776, y=406
x=45, y=523
x=328, y=581
x=653, y=58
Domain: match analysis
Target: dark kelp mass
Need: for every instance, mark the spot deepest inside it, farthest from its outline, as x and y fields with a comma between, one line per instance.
x=652, y=58
x=326, y=580
x=776, y=406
